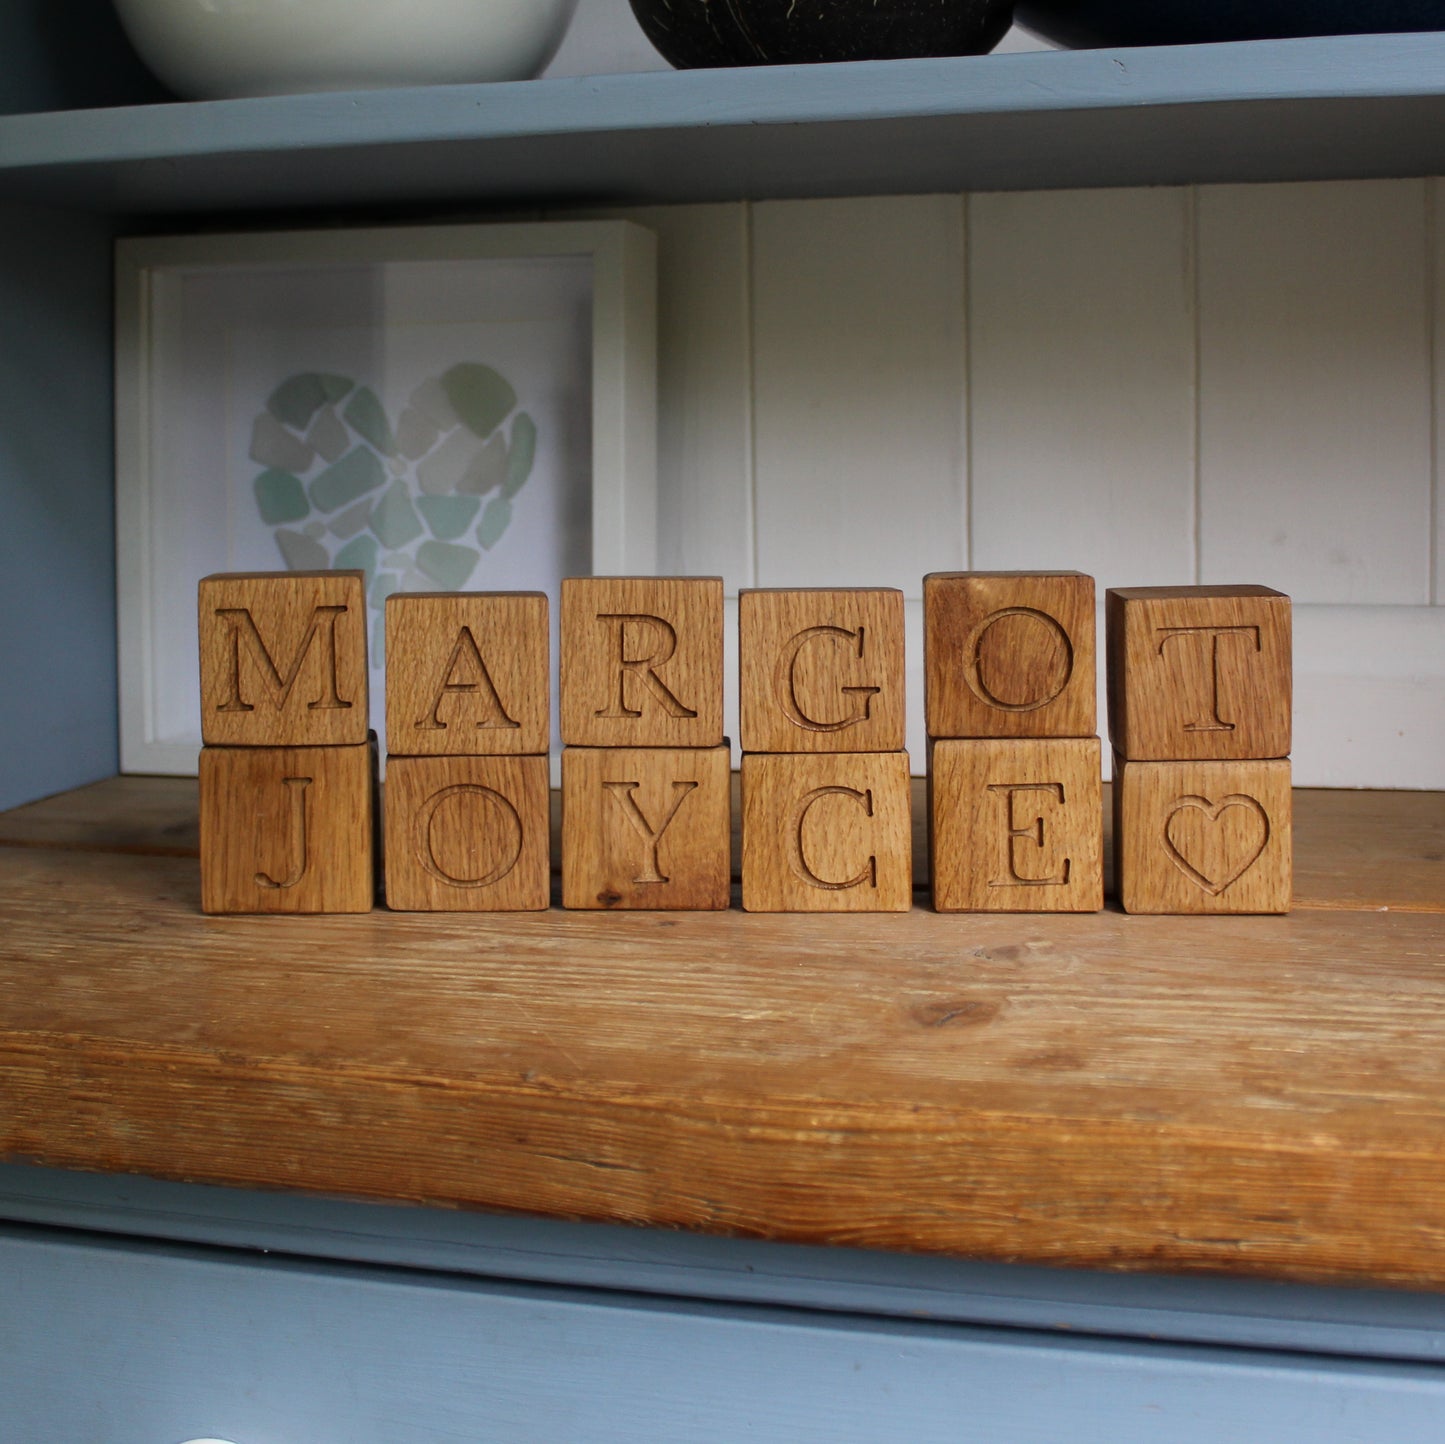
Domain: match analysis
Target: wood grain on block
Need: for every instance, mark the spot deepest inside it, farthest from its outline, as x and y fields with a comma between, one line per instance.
x=288, y=829
x=467, y=674
x=821, y=670
x=642, y=661
x=646, y=827
x=1203, y=837
x=1009, y=654
x=467, y=834
x=1199, y=672
x=1016, y=824
x=283, y=659
x=827, y=832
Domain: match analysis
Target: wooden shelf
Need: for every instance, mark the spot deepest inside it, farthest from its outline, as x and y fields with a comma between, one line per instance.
x=1350, y=106
x=1261, y=1096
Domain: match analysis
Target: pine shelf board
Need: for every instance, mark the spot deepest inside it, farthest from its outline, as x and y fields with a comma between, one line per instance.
x=1251, y=1096
x=1319, y=108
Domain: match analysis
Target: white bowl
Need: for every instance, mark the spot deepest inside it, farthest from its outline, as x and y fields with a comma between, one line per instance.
x=210, y=49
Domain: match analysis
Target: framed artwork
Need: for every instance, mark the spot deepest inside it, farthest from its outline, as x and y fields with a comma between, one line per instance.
x=442, y=408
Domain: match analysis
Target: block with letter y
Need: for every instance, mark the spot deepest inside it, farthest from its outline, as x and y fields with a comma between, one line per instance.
x=283, y=659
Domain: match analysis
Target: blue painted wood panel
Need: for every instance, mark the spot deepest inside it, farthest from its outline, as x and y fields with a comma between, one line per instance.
x=57, y=507
x=133, y=1345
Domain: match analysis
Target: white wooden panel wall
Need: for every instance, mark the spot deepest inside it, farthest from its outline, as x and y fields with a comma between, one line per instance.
x=1154, y=386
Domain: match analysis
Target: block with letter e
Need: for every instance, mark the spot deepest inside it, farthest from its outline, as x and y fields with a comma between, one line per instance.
x=1009, y=654
x=642, y=661
x=283, y=659
x=1016, y=825
x=646, y=827
x=1199, y=672
x=467, y=834
x=827, y=832
x=821, y=669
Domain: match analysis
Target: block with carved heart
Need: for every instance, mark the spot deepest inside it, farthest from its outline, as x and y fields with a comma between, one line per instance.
x=1203, y=837
x=827, y=832
x=1199, y=672
x=642, y=661
x=467, y=834
x=821, y=669
x=283, y=659
x=467, y=674
x=646, y=827
x=1015, y=824
x=1009, y=654
x=288, y=829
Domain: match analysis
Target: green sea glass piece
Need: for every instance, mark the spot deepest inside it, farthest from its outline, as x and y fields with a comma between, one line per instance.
x=357, y=473
x=488, y=468
x=367, y=418
x=301, y=553
x=395, y=520
x=495, y=521
x=480, y=396
x=448, y=516
x=273, y=445
x=522, y=455
x=358, y=555
x=297, y=399
x=447, y=564
x=280, y=497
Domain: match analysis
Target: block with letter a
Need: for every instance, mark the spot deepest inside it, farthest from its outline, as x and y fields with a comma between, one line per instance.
x=1016, y=824
x=287, y=772
x=646, y=827
x=827, y=832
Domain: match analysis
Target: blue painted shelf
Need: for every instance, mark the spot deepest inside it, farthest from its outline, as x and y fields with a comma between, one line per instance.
x=1353, y=106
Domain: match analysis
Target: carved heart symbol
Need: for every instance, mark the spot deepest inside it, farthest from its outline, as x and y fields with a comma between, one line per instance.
x=1215, y=843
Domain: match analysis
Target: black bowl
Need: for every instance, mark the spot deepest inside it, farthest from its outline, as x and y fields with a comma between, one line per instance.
x=1086, y=24
x=698, y=33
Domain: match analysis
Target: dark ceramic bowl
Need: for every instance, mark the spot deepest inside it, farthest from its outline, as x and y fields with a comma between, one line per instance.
x=698, y=33
x=1085, y=24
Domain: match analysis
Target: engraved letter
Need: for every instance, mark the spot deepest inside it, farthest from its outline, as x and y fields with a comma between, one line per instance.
x=797, y=856
x=664, y=644
x=1032, y=830
x=278, y=687
x=785, y=683
x=1216, y=722
x=650, y=835
x=474, y=680
x=300, y=854
x=511, y=847
x=1053, y=641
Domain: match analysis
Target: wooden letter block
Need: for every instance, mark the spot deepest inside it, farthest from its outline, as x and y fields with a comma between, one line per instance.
x=821, y=670
x=1199, y=672
x=467, y=834
x=827, y=832
x=642, y=661
x=1016, y=825
x=288, y=829
x=1009, y=654
x=467, y=674
x=646, y=827
x=1203, y=837
x=283, y=659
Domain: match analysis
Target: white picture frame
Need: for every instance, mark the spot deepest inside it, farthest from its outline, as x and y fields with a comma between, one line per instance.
x=205, y=324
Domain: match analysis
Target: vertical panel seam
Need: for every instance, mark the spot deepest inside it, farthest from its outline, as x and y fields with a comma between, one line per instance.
x=1194, y=290
x=966, y=397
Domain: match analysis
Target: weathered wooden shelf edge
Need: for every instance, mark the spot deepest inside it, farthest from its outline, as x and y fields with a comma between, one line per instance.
x=1258, y=1097
x=1161, y=115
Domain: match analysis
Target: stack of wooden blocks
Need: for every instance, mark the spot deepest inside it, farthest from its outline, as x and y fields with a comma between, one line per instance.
x=468, y=730
x=826, y=799
x=646, y=778
x=288, y=768
x=1199, y=717
x=1015, y=799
